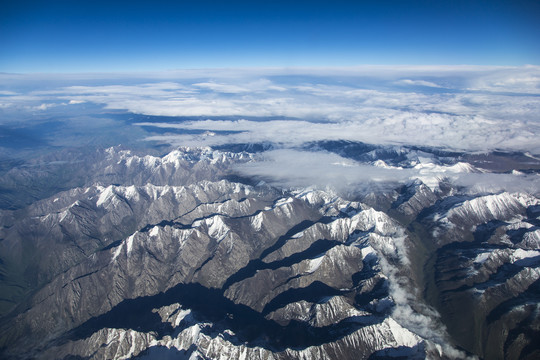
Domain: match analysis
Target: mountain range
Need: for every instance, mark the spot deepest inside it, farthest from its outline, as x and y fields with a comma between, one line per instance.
x=126, y=253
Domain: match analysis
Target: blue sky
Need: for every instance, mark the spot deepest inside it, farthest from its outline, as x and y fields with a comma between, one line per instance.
x=88, y=36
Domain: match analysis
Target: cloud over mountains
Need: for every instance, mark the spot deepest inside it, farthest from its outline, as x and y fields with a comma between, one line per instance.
x=465, y=108
x=461, y=108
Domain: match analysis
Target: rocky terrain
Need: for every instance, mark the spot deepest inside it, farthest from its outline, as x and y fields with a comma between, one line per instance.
x=181, y=256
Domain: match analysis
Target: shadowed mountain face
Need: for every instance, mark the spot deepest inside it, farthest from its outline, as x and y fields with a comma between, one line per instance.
x=122, y=254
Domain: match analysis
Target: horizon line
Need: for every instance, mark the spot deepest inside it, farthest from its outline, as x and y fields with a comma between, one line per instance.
x=387, y=67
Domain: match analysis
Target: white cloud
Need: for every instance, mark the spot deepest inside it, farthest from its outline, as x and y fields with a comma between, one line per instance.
x=509, y=80
x=291, y=168
x=494, y=183
x=46, y=106
x=418, y=83
x=222, y=88
x=297, y=169
x=453, y=132
x=7, y=93
x=487, y=107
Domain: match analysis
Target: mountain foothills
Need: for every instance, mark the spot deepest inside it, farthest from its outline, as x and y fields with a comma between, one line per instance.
x=121, y=253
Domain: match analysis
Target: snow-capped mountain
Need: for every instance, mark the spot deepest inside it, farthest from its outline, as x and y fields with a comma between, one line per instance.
x=184, y=256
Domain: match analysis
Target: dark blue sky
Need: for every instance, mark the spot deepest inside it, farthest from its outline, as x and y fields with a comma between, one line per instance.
x=75, y=36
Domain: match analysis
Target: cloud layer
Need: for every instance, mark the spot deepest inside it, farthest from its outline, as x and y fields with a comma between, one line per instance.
x=464, y=108
x=291, y=168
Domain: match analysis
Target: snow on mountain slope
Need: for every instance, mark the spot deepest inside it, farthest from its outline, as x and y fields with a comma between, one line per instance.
x=485, y=268
x=186, y=264
x=308, y=263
